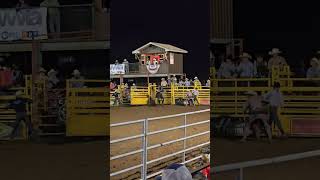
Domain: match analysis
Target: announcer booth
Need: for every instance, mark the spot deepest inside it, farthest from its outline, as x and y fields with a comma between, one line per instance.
x=155, y=61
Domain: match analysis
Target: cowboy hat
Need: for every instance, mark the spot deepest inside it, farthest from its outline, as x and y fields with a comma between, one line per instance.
x=162, y=78
x=76, y=72
x=196, y=77
x=251, y=93
x=245, y=55
x=52, y=71
x=274, y=51
x=42, y=70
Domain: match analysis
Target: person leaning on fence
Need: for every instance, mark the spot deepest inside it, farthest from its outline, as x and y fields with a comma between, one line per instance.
x=19, y=105
x=245, y=69
x=53, y=15
x=163, y=82
x=314, y=70
x=227, y=69
x=260, y=67
x=76, y=80
x=258, y=113
x=187, y=82
x=276, y=101
x=276, y=60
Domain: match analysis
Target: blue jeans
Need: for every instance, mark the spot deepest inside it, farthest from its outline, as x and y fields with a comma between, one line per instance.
x=21, y=116
x=275, y=118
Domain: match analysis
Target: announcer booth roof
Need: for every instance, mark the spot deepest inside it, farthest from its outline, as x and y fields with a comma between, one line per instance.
x=166, y=47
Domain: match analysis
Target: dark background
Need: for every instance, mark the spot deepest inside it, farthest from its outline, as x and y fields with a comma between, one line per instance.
x=182, y=23
x=292, y=26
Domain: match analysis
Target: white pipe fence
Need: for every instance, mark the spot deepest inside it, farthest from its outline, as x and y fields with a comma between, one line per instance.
x=247, y=164
x=145, y=148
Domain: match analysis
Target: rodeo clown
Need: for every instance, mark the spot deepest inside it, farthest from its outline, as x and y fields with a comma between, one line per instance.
x=196, y=82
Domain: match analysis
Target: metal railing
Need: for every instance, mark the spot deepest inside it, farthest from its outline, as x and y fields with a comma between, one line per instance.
x=240, y=166
x=145, y=135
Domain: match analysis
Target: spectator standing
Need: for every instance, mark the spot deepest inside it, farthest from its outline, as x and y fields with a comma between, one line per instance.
x=245, y=68
x=76, y=75
x=227, y=69
x=260, y=67
x=53, y=15
x=22, y=4
x=126, y=65
x=276, y=60
x=314, y=70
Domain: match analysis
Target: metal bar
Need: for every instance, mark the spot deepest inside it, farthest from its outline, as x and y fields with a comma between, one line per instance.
x=241, y=174
x=177, y=115
x=126, y=154
x=126, y=139
x=177, y=140
x=178, y=127
x=125, y=170
x=145, y=151
x=176, y=153
x=259, y=162
x=127, y=123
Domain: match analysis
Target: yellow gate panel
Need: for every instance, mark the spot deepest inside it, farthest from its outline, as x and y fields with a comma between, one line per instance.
x=87, y=125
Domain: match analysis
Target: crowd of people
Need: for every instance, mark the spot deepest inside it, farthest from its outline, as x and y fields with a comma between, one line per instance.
x=258, y=67
x=121, y=92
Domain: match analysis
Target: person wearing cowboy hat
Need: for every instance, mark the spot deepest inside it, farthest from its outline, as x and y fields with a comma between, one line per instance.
x=245, y=69
x=276, y=60
x=258, y=113
x=42, y=77
x=52, y=79
x=181, y=82
x=19, y=105
x=196, y=82
x=174, y=79
x=260, y=67
x=76, y=75
x=227, y=69
x=314, y=70
x=164, y=83
x=187, y=83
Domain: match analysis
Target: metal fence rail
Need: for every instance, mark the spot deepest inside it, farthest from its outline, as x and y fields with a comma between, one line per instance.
x=240, y=166
x=144, y=136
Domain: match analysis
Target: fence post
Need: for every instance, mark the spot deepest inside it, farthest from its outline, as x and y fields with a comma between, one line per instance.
x=241, y=174
x=145, y=150
x=184, y=141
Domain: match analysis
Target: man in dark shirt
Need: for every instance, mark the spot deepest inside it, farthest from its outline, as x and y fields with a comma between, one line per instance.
x=19, y=105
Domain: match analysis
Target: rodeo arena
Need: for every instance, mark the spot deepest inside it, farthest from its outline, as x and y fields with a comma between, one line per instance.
x=260, y=95
x=160, y=117
x=53, y=79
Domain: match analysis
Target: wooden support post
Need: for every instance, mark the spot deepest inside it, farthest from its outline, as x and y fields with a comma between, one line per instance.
x=36, y=56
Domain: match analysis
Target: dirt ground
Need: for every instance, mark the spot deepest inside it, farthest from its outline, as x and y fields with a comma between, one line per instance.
x=225, y=151
x=39, y=161
x=123, y=114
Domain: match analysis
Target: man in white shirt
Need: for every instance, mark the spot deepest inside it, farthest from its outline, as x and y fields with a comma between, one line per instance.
x=164, y=82
x=54, y=14
x=276, y=101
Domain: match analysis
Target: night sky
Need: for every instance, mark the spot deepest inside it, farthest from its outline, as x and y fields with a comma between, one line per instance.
x=182, y=23
x=293, y=27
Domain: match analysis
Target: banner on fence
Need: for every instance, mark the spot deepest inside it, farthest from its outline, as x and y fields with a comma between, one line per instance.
x=23, y=24
x=117, y=69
